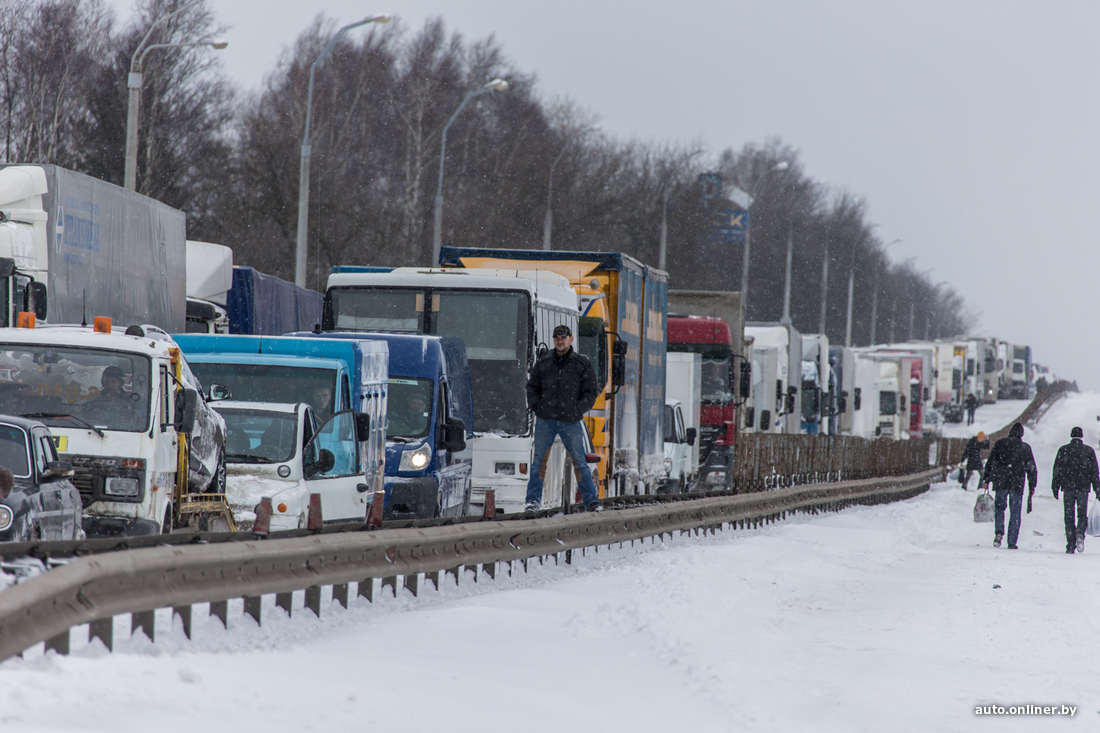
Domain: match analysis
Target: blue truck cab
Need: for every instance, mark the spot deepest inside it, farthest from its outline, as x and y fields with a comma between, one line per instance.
x=328, y=374
x=430, y=414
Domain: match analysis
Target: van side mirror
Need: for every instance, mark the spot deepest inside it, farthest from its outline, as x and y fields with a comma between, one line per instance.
x=362, y=427
x=453, y=437
x=187, y=403
x=765, y=419
x=56, y=471
x=618, y=363
x=691, y=433
x=36, y=291
x=326, y=461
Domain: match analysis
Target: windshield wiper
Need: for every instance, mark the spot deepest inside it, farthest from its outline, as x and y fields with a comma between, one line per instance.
x=62, y=416
x=244, y=458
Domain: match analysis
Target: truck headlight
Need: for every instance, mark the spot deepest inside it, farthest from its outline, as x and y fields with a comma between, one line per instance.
x=116, y=486
x=7, y=516
x=415, y=460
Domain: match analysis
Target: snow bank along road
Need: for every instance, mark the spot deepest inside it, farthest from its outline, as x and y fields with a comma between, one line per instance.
x=880, y=618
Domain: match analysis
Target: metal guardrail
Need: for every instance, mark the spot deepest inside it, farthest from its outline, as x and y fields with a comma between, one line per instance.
x=92, y=590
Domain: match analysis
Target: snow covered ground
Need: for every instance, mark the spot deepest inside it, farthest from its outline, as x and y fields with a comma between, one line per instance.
x=893, y=618
x=988, y=419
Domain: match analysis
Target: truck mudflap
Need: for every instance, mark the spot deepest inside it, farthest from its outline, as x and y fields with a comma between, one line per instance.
x=412, y=498
x=716, y=473
x=99, y=525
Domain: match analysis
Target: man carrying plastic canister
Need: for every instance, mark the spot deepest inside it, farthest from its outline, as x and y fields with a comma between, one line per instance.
x=1010, y=463
x=560, y=389
x=1075, y=472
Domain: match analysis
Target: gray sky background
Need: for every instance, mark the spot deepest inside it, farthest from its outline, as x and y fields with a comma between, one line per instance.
x=971, y=128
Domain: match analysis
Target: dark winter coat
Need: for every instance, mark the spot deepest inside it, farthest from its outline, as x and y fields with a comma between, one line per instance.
x=1075, y=467
x=562, y=387
x=1010, y=462
x=971, y=402
x=972, y=454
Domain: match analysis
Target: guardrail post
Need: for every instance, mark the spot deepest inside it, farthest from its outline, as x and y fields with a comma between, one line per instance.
x=220, y=609
x=252, y=606
x=472, y=569
x=456, y=571
x=490, y=569
x=104, y=630
x=59, y=643
x=366, y=589
x=184, y=612
x=434, y=577
x=412, y=583
x=390, y=581
x=144, y=621
x=340, y=594
x=284, y=601
x=313, y=599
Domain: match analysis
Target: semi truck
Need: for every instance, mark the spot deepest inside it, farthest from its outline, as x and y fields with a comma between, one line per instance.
x=777, y=371
x=504, y=318
x=622, y=329
x=73, y=247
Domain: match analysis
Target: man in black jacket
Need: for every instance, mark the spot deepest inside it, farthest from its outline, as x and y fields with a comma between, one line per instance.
x=1010, y=463
x=560, y=389
x=972, y=456
x=1075, y=472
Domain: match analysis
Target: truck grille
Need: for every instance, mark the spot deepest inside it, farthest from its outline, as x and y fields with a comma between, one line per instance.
x=85, y=482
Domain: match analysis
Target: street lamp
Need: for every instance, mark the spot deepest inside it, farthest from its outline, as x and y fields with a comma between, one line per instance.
x=780, y=166
x=851, y=291
x=662, y=248
x=133, y=84
x=874, y=298
x=549, y=220
x=303, y=165
x=498, y=85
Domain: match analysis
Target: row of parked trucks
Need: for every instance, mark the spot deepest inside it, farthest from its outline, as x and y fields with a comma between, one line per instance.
x=409, y=382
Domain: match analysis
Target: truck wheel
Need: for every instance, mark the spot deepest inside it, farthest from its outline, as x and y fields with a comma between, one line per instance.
x=217, y=481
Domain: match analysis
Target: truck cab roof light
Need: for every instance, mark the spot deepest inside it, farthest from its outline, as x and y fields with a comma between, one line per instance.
x=102, y=324
x=25, y=320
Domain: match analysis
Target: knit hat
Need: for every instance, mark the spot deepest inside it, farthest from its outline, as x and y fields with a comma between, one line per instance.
x=1016, y=431
x=1077, y=433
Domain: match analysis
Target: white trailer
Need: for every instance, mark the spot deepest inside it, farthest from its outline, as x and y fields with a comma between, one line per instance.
x=683, y=384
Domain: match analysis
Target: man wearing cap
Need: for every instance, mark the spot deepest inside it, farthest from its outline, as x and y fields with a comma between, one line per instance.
x=1075, y=472
x=1010, y=463
x=560, y=389
x=972, y=454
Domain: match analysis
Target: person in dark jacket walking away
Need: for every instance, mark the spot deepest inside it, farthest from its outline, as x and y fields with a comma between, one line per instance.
x=1010, y=463
x=971, y=405
x=1075, y=472
x=560, y=389
x=972, y=454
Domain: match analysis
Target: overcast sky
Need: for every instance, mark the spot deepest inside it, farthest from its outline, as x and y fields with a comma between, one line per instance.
x=971, y=128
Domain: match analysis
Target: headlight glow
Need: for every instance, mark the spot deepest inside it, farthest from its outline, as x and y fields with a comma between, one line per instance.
x=415, y=460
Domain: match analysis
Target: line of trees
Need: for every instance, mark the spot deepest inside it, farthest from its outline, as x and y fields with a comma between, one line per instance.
x=229, y=158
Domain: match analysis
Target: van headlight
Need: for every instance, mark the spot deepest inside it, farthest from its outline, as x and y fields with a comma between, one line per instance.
x=415, y=460
x=116, y=486
x=7, y=516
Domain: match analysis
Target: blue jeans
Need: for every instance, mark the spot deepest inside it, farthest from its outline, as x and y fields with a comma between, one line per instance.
x=572, y=437
x=1014, y=500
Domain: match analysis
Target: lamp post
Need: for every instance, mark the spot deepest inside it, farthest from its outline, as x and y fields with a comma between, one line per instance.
x=851, y=290
x=498, y=85
x=786, y=319
x=303, y=164
x=824, y=281
x=133, y=85
x=549, y=220
x=874, y=299
x=780, y=166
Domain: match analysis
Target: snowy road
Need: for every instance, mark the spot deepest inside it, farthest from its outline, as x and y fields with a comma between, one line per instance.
x=880, y=618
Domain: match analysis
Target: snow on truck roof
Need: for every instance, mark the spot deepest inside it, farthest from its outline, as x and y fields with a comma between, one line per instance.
x=545, y=285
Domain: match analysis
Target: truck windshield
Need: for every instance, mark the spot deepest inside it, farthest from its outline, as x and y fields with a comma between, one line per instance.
x=107, y=389
x=264, y=383
x=716, y=381
x=377, y=309
x=409, y=408
x=493, y=325
x=259, y=436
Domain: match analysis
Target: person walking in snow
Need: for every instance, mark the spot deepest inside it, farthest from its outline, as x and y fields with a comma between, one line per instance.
x=972, y=455
x=971, y=405
x=1010, y=463
x=1075, y=472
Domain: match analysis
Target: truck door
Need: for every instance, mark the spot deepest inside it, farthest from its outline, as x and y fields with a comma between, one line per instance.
x=341, y=501
x=454, y=466
x=55, y=504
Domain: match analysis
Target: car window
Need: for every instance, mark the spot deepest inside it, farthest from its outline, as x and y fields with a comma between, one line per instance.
x=14, y=450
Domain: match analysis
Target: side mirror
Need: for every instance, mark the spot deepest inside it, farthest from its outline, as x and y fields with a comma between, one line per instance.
x=857, y=400
x=618, y=363
x=362, y=427
x=56, y=471
x=218, y=392
x=325, y=462
x=765, y=419
x=7, y=267
x=187, y=403
x=691, y=433
x=842, y=403
x=788, y=403
x=746, y=380
x=37, y=294
x=750, y=416
x=454, y=435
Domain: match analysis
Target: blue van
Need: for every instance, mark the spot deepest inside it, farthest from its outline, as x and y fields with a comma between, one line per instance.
x=430, y=414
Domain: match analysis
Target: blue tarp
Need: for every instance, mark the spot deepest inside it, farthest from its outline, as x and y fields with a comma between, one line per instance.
x=264, y=305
